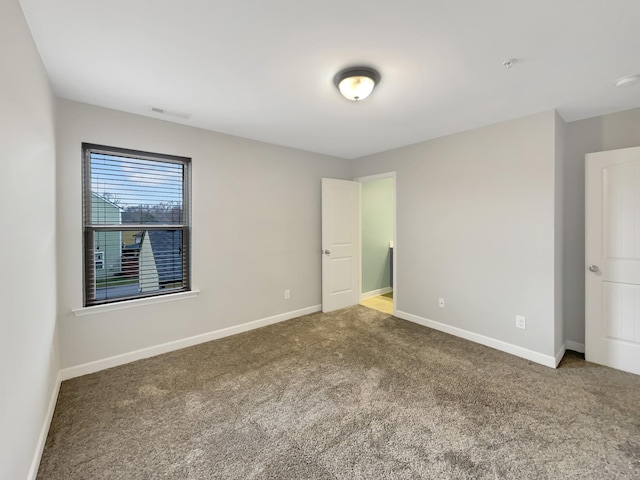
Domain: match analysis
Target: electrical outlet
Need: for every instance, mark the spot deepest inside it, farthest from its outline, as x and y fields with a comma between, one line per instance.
x=521, y=322
x=287, y=294
x=441, y=302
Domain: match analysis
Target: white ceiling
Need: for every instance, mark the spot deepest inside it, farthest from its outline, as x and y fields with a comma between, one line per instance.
x=263, y=69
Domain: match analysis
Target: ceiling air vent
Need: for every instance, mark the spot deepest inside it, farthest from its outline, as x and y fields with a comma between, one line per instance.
x=162, y=111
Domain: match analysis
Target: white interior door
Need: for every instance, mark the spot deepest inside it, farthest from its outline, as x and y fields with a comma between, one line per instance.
x=340, y=244
x=612, y=304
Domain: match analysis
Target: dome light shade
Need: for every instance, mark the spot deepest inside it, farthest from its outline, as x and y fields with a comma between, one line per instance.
x=628, y=81
x=356, y=83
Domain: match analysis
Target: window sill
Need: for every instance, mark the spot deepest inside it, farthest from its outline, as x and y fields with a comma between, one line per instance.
x=138, y=302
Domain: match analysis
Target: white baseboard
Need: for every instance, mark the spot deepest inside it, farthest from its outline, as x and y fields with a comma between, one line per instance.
x=376, y=293
x=546, y=360
x=560, y=354
x=576, y=347
x=129, y=357
x=44, y=431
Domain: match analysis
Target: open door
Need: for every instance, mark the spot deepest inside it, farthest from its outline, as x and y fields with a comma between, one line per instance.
x=612, y=305
x=340, y=244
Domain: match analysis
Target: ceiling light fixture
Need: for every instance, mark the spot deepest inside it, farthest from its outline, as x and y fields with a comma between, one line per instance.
x=356, y=83
x=509, y=62
x=627, y=80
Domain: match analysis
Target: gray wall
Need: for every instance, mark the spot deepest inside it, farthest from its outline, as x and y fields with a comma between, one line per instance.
x=377, y=231
x=608, y=132
x=476, y=225
x=256, y=232
x=28, y=366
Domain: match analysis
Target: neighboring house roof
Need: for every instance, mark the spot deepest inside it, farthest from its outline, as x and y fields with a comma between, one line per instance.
x=97, y=195
x=167, y=252
x=130, y=237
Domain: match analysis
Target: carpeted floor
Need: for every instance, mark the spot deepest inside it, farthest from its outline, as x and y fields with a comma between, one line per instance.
x=354, y=394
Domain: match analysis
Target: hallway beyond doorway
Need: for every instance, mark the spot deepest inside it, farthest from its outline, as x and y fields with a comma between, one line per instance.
x=382, y=303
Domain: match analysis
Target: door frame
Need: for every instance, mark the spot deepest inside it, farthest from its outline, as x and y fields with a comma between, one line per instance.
x=394, y=265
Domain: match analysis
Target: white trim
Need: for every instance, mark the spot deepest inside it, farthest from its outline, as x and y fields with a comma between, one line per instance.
x=375, y=293
x=128, y=357
x=560, y=355
x=44, y=431
x=109, y=307
x=546, y=360
x=575, y=346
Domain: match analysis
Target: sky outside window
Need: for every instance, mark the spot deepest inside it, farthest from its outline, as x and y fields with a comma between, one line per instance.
x=139, y=185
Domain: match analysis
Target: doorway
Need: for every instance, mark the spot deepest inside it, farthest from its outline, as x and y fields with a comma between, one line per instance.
x=612, y=307
x=377, y=225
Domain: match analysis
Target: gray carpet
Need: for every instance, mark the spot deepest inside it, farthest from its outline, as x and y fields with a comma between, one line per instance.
x=355, y=394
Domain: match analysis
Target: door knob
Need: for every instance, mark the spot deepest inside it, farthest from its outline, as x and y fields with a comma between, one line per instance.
x=594, y=268
x=327, y=252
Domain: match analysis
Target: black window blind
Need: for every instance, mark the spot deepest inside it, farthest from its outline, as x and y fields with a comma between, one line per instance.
x=136, y=224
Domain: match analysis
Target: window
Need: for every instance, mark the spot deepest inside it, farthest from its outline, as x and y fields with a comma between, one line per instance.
x=136, y=224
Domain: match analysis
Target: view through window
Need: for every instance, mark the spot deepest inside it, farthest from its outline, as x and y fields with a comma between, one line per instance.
x=136, y=224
